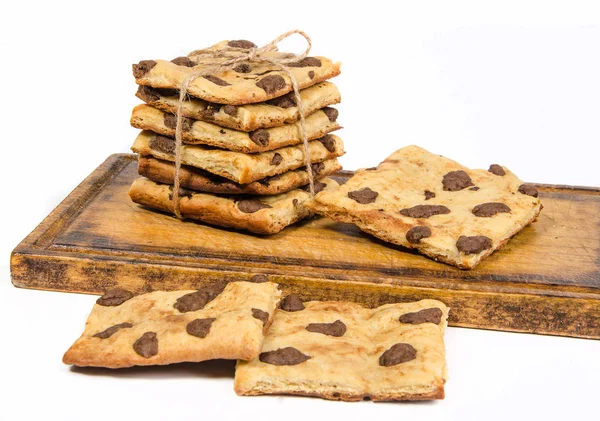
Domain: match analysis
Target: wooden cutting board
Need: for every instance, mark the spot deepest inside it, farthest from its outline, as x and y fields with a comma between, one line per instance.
x=545, y=280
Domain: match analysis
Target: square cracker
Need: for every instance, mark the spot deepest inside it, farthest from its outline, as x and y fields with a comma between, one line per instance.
x=163, y=327
x=195, y=132
x=257, y=214
x=338, y=350
x=430, y=203
x=273, y=113
x=248, y=84
x=236, y=166
x=203, y=181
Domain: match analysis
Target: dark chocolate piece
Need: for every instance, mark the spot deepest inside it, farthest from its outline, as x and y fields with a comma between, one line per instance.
x=456, y=180
x=474, y=244
x=241, y=43
x=497, y=170
x=251, y=205
x=143, y=67
x=107, y=333
x=114, y=297
x=216, y=80
x=146, y=345
x=291, y=303
x=260, y=137
x=276, y=160
x=415, y=234
x=529, y=190
x=337, y=328
x=398, y=354
x=271, y=83
x=425, y=211
x=363, y=196
x=486, y=210
x=428, y=315
x=283, y=356
x=261, y=315
x=200, y=327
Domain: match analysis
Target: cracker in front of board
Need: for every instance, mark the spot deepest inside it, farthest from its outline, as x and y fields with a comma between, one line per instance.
x=236, y=166
x=430, y=203
x=203, y=181
x=197, y=132
x=165, y=327
x=343, y=351
x=257, y=214
x=247, y=118
x=246, y=83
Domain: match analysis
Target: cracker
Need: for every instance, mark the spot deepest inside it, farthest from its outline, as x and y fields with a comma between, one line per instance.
x=247, y=118
x=163, y=327
x=247, y=83
x=236, y=166
x=337, y=350
x=430, y=203
x=203, y=181
x=257, y=214
x=318, y=125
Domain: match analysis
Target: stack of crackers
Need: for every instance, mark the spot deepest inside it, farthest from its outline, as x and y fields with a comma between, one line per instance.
x=243, y=155
x=328, y=349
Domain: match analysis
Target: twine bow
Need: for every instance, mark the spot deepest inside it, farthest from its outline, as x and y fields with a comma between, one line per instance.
x=233, y=56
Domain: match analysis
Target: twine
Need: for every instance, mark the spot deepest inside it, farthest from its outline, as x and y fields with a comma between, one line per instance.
x=232, y=56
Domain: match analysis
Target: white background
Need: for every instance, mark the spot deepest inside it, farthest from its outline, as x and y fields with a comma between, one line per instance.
x=515, y=83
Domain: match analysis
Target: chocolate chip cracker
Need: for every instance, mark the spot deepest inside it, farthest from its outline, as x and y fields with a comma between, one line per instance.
x=236, y=166
x=163, y=327
x=203, y=181
x=257, y=214
x=244, y=84
x=318, y=125
x=247, y=118
x=435, y=205
x=343, y=351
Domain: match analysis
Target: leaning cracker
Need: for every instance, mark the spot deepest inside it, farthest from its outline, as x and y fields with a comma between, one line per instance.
x=246, y=83
x=236, y=166
x=435, y=205
x=196, y=132
x=203, y=181
x=163, y=327
x=343, y=351
x=258, y=214
x=247, y=118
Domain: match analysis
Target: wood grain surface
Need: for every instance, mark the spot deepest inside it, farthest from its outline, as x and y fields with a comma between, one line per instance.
x=545, y=280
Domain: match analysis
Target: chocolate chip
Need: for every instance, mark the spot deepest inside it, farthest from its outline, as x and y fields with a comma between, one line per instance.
x=261, y=315
x=182, y=193
x=331, y=113
x=143, y=67
x=242, y=68
x=170, y=120
x=319, y=186
x=474, y=188
x=398, y=354
x=147, y=94
x=271, y=83
x=456, y=180
x=485, y=210
x=260, y=137
x=306, y=62
x=284, y=101
x=200, y=327
x=259, y=279
x=425, y=211
x=329, y=142
x=428, y=315
x=317, y=167
x=474, y=244
x=529, y=190
x=107, y=333
x=276, y=160
x=291, y=303
x=195, y=301
x=241, y=43
x=415, y=234
x=146, y=345
x=311, y=74
x=231, y=110
x=216, y=80
x=251, y=205
x=183, y=61
x=114, y=297
x=283, y=356
x=210, y=111
x=429, y=195
x=363, y=196
x=162, y=144
x=496, y=169
x=337, y=328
